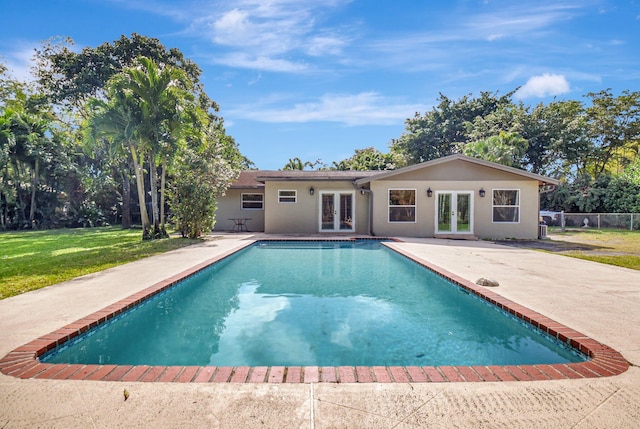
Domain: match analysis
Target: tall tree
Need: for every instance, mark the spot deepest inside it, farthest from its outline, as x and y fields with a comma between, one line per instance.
x=545, y=128
x=7, y=143
x=370, y=159
x=70, y=78
x=569, y=152
x=613, y=125
x=505, y=148
x=440, y=131
x=294, y=164
x=164, y=101
x=200, y=175
x=297, y=164
x=34, y=158
x=117, y=120
x=152, y=110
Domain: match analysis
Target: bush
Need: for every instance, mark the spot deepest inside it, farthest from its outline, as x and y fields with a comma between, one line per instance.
x=200, y=177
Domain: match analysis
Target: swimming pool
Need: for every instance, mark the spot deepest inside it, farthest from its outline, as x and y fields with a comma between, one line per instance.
x=24, y=361
x=315, y=303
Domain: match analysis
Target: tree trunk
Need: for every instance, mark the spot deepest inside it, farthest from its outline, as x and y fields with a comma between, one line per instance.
x=153, y=178
x=21, y=217
x=144, y=217
x=2, y=214
x=126, y=200
x=163, y=182
x=34, y=185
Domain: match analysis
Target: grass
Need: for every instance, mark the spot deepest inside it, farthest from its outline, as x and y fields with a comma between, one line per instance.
x=613, y=247
x=31, y=260
x=626, y=261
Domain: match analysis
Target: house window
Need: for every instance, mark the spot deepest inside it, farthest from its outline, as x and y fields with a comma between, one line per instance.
x=252, y=201
x=506, y=205
x=402, y=205
x=286, y=196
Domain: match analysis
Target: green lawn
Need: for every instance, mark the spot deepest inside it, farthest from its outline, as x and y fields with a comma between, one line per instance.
x=626, y=261
x=31, y=260
x=612, y=247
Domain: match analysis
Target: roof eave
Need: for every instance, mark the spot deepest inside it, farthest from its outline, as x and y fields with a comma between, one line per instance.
x=542, y=180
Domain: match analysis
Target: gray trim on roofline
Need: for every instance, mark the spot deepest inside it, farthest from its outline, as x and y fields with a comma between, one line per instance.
x=543, y=179
x=364, y=177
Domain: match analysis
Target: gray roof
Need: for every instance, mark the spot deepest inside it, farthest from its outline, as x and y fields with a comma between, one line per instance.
x=255, y=178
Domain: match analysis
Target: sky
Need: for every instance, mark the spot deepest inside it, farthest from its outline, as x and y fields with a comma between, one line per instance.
x=318, y=79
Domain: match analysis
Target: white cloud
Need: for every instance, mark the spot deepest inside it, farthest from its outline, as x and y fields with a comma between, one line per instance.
x=325, y=45
x=258, y=31
x=517, y=20
x=590, y=77
x=19, y=60
x=234, y=21
x=365, y=108
x=269, y=35
x=543, y=86
x=512, y=30
x=255, y=80
x=513, y=73
x=259, y=62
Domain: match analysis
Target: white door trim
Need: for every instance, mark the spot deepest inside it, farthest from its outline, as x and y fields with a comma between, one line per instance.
x=337, y=220
x=454, y=212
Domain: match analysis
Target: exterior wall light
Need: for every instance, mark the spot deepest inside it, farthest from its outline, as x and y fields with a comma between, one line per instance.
x=482, y=192
x=311, y=191
x=429, y=193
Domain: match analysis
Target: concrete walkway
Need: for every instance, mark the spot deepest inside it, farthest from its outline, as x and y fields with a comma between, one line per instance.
x=598, y=300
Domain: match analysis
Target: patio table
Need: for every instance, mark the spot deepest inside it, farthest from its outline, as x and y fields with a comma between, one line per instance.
x=240, y=224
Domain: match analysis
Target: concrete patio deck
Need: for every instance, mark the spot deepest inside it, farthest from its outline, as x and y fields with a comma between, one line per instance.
x=601, y=301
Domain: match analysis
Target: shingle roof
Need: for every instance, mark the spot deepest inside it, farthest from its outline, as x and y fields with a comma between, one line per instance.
x=256, y=178
x=247, y=179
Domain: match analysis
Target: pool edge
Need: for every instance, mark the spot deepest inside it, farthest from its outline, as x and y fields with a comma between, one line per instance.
x=23, y=362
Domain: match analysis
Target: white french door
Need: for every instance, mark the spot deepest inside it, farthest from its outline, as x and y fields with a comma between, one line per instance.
x=454, y=212
x=336, y=211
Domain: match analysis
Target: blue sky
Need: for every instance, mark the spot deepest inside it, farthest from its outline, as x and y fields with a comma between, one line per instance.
x=319, y=79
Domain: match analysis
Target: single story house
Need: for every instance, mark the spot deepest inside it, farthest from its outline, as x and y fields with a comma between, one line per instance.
x=452, y=197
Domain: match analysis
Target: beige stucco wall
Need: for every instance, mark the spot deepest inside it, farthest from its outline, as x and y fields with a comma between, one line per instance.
x=457, y=176
x=482, y=209
x=302, y=217
x=230, y=206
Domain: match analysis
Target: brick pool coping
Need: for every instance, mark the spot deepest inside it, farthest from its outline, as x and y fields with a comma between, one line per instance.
x=23, y=362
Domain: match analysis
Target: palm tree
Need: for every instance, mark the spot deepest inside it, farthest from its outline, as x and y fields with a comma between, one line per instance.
x=294, y=164
x=31, y=150
x=163, y=96
x=117, y=121
x=7, y=142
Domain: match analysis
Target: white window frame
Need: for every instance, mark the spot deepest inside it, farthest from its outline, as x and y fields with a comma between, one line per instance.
x=415, y=205
x=242, y=201
x=285, y=199
x=516, y=206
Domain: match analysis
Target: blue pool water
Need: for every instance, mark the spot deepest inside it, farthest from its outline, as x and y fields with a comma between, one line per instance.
x=317, y=304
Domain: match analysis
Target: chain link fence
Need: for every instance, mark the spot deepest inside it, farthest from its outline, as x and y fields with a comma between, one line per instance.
x=628, y=221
